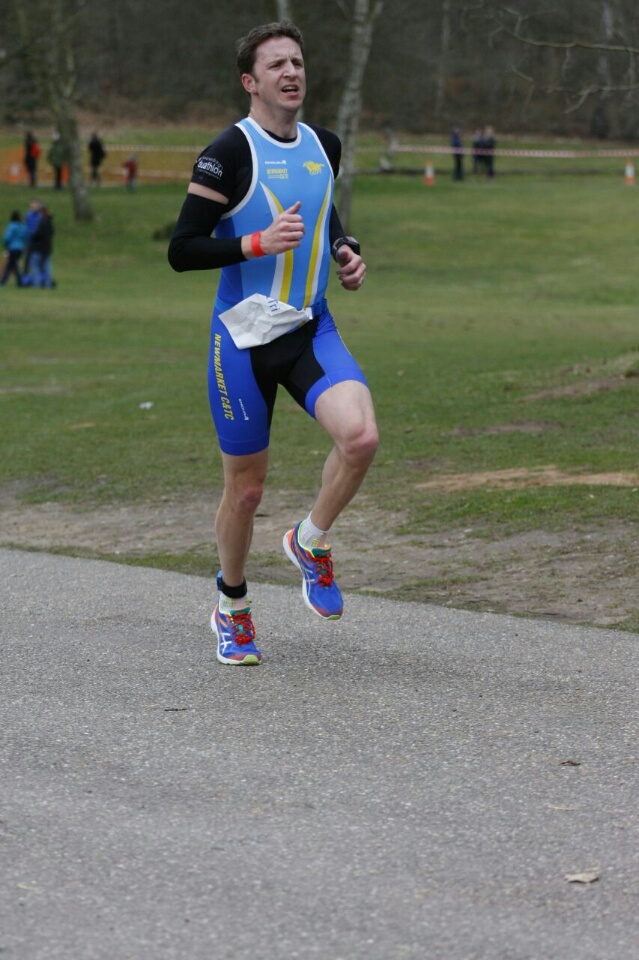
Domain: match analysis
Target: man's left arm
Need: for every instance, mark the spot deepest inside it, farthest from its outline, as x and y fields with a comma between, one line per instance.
x=346, y=253
x=344, y=250
x=351, y=268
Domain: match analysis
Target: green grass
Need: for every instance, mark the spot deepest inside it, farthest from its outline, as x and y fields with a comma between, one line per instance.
x=483, y=301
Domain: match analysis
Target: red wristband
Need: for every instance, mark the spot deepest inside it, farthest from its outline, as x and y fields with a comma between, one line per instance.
x=256, y=246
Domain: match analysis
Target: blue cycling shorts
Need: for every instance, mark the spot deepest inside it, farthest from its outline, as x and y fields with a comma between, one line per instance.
x=243, y=383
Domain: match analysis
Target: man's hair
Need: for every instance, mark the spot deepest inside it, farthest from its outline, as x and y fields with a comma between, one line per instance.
x=247, y=46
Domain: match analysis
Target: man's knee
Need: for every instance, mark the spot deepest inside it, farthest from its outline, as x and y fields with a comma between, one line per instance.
x=244, y=479
x=246, y=497
x=360, y=447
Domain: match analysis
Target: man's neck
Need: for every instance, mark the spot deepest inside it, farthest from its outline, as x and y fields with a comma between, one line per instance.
x=282, y=124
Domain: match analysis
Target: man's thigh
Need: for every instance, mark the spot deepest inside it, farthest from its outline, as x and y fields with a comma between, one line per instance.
x=346, y=410
x=325, y=364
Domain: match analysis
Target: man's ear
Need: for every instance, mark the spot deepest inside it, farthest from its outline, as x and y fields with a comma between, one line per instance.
x=248, y=82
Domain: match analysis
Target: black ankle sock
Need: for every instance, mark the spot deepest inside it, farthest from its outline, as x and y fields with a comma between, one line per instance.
x=233, y=593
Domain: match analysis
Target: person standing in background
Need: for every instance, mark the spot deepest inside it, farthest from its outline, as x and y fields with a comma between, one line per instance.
x=14, y=240
x=41, y=250
x=31, y=221
x=489, y=147
x=57, y=157
x=131, y=173
x=97, y=153
x=458, y=154
x=478, y=148
x=31, y=154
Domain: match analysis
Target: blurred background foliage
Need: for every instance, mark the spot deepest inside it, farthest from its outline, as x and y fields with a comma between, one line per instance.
x=565, y=67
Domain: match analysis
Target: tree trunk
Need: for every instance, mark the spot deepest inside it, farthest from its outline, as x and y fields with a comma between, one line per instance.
x=600, y=120
x=444, y=46
x=46, y=28
x=68, y=129
x=364, y=16
x=62, y=82
x=283, y=10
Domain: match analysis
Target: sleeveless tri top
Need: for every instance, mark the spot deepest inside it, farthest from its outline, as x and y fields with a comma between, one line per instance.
x=283, y=173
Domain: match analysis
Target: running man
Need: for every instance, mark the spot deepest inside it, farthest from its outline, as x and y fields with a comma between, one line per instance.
x=265, y=186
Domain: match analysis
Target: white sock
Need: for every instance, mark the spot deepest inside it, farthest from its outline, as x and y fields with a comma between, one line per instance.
x=311, y=537
x=228, y=605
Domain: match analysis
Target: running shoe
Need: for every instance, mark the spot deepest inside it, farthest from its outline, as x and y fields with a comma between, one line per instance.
x=321, y=593
x=235, y=637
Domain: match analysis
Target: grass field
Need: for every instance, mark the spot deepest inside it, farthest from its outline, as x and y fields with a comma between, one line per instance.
x=498, y=329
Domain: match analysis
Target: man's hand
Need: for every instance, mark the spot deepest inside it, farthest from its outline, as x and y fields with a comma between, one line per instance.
x=352, y=268
x=285, y=233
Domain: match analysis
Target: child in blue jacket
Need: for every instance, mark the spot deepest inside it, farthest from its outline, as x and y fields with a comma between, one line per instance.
x=14, y=240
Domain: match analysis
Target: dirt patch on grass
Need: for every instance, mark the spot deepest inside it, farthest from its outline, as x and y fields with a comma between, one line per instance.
x=580, y=576
x=531, y=427
x=583, y=388
x=515, y=478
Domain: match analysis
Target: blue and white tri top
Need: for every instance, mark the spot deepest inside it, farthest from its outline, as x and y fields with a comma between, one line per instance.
x=282, y=174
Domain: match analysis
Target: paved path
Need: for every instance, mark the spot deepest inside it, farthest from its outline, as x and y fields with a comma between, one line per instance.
x=391, y=786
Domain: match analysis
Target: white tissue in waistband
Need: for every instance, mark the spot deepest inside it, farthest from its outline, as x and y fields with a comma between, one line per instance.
x=259, y=319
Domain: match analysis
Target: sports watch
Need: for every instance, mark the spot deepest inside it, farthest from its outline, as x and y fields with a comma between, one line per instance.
x=345, y=241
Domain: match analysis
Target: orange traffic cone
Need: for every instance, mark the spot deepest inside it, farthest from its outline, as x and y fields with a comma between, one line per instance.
x=630, y=174
x=429, y=175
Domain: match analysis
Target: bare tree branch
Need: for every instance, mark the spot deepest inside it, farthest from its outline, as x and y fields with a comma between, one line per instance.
x=515, y=34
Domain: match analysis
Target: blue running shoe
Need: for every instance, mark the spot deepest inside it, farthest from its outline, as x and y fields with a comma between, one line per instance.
x=235, y=637
x=319, y=589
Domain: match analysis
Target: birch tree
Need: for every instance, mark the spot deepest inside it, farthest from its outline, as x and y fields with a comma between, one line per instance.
x=46, y=31
x=283, y=10
x=600, y=121
x=440, y=91
x=363, y=17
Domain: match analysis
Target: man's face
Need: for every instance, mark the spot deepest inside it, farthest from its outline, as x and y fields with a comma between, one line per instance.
x=278, y=78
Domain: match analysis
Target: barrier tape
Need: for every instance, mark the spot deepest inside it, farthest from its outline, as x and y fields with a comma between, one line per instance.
x=12, y=168
x=469, y=151
x=417, y=148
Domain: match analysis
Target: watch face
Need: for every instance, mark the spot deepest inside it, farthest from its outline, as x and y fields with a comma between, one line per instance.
x=345, y=242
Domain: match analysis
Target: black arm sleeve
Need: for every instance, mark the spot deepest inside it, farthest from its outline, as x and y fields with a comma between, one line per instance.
x=192, y=247
x=335, y=228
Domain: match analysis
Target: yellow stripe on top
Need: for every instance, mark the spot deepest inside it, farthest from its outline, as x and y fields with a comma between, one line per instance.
x=281, y=289
x=318, y=239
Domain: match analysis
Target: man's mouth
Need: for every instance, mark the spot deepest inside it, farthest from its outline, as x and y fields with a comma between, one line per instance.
x=290, y=88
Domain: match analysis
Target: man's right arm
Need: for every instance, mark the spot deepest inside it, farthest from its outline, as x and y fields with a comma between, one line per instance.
x=222, y=176
x=219, y=177
x=192, y=247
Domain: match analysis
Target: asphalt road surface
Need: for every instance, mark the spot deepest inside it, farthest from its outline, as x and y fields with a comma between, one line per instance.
x=411, y=782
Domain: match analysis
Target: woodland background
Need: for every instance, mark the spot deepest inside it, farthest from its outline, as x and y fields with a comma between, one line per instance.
x=562, y=67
